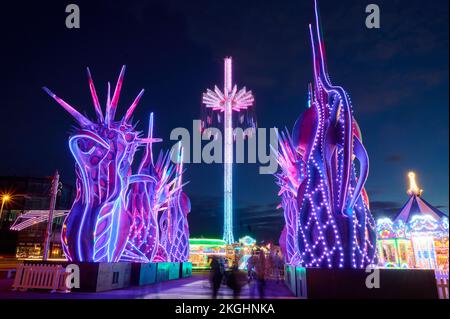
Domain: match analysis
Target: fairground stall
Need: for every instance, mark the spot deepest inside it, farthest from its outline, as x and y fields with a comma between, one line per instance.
x=246, y=249
x=202, y=249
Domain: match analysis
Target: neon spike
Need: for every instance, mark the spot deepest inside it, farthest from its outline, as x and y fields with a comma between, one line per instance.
x=313, y=49
x=179, y=165
x=148, y=141
x=321, y=43
x=83, y=121
x=97, y=106
x=147, y=160
x=133, y=106
x=117, y=215
x=111, y=107
x=347, y=131
x=108, y=100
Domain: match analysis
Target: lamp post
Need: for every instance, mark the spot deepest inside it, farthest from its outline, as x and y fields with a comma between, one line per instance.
x=48, y=233
x=5, y=198
x=8, y=197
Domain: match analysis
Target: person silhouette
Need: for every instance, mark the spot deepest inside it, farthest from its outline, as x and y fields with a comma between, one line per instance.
x=260, y=269
x=216, y=276
x=236, y=279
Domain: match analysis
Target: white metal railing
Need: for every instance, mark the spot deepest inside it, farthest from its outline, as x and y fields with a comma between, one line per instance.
x=37, y=276
x=442, y=283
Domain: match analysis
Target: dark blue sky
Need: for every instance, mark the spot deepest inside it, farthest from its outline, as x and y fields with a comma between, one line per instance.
x=397, y=77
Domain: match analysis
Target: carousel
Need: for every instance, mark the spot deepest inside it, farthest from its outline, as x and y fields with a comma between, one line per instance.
x=418, y=235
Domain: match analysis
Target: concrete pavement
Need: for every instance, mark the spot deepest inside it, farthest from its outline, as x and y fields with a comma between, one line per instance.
x=195, y=287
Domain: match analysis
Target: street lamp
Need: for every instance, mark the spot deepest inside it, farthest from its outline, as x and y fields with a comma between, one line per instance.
x=5, y=198
x=8, y=197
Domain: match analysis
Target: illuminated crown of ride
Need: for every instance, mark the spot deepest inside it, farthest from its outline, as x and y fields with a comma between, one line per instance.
x=326, y=208
x=118, y=215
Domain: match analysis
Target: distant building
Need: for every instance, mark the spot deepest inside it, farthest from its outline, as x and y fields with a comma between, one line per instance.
x=27, y=207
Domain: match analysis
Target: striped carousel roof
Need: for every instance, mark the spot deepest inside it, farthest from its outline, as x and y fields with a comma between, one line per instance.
x=416, y=204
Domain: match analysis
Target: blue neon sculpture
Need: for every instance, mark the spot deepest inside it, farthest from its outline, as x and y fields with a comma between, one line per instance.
x=326, y=209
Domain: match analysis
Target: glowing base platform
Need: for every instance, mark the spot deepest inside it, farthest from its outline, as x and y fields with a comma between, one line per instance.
x=322, y=283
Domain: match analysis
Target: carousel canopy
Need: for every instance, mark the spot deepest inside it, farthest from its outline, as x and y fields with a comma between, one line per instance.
x=416, y=205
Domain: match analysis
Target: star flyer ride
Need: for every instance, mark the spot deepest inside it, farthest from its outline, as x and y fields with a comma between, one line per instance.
x=219, y=109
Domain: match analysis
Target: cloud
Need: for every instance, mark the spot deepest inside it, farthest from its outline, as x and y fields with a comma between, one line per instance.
x=385, y=90
x=394, y=158
x=385, y=208
x=261, y=221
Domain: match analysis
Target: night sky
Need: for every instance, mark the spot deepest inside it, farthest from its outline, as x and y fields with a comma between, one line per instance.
x=397, y=77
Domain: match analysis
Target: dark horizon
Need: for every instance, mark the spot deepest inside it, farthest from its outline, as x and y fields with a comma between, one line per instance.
x=397, y=77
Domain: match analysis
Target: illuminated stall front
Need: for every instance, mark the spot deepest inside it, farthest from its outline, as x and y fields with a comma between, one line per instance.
x=417, y=237
x=202, y=249
x=247, y=246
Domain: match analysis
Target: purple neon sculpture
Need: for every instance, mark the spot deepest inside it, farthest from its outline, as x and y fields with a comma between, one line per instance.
x=326, y=208
x=117, y=215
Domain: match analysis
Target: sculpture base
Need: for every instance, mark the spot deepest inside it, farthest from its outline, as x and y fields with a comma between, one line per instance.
x=150, y=273
x=167, y=271
x=143, y=274
x=321, y=283
x=186, y=269
x=110, y=276
x=96, y=277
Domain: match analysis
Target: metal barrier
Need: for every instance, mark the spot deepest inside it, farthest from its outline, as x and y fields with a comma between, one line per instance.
x=39, y=276
x=442, y=283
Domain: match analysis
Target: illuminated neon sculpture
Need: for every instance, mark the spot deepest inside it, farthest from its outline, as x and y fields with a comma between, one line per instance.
x=417, y=237
x=117, y=215
x=326, y=209
x=225, y=104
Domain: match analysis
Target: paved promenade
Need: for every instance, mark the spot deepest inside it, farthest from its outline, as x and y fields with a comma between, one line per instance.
x=195, y=287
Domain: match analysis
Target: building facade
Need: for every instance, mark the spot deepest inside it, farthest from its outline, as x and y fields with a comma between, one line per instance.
x=23, y=220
